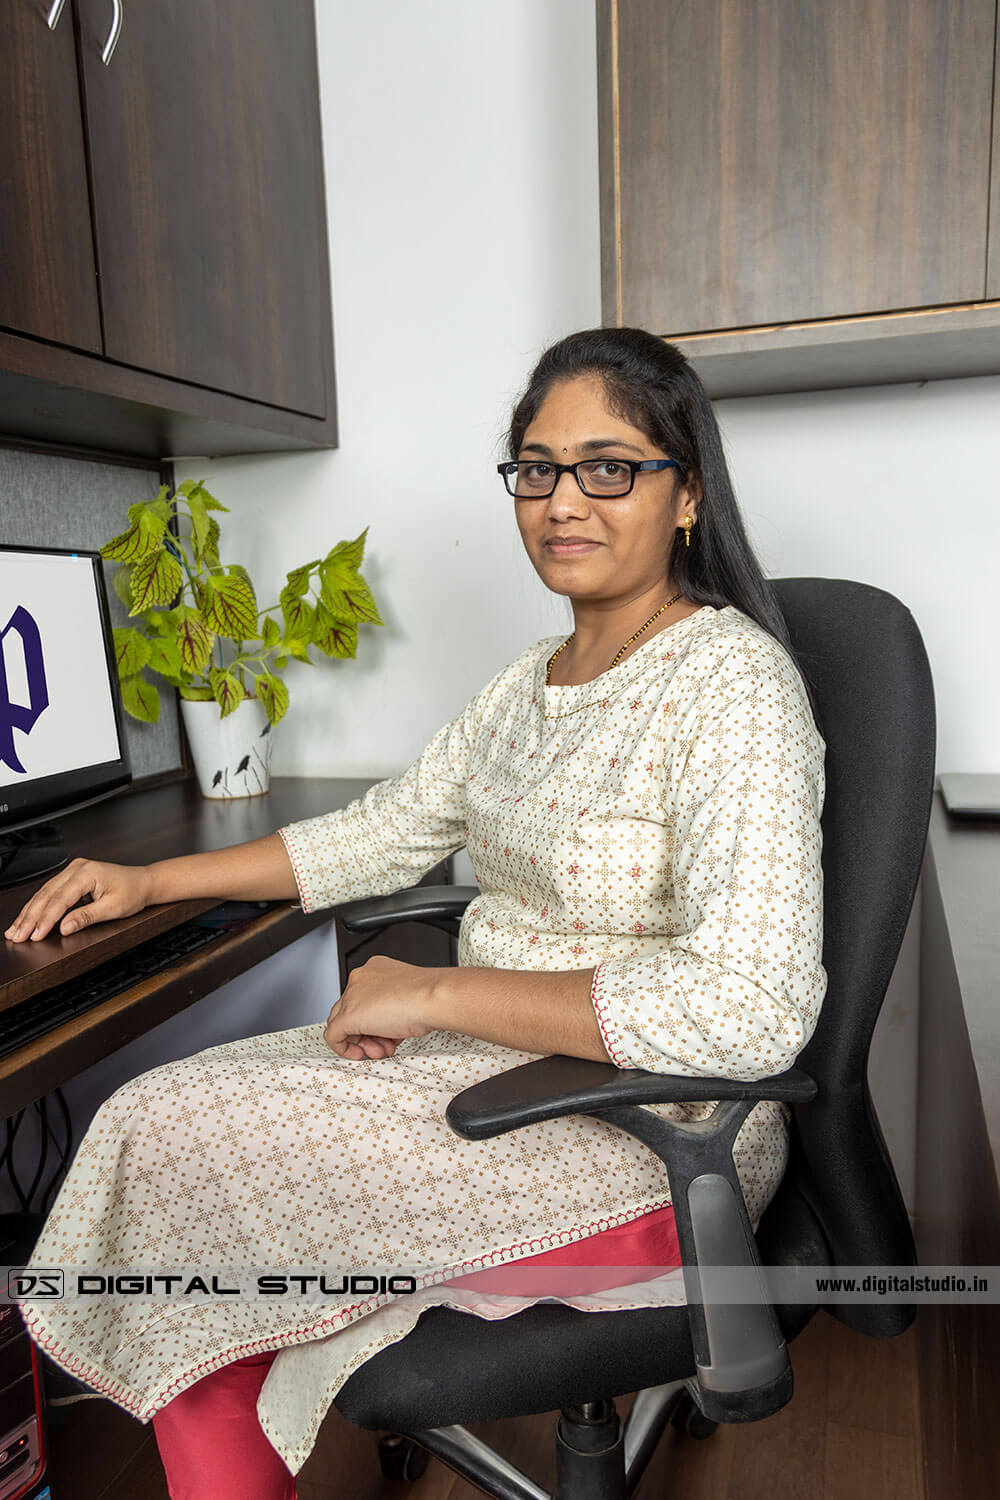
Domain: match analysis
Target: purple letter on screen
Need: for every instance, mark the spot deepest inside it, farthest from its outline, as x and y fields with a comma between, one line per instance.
x=15, y=715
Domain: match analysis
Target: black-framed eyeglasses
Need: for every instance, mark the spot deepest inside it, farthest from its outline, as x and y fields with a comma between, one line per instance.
x=600, y=478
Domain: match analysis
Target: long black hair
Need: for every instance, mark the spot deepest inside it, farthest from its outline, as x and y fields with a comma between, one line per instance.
x=649, y=383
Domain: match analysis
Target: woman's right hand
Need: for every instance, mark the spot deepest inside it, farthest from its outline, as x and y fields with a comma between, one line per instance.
x=113, y=891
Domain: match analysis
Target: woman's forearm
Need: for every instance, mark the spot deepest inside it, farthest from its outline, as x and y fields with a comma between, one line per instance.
x=258, y=871
x=89, y=891
x=534, y=1012
x=531, y=1011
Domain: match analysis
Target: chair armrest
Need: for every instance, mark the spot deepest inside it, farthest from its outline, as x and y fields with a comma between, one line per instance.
x=554, y=1086
x=438, y=905
x=742, y=1367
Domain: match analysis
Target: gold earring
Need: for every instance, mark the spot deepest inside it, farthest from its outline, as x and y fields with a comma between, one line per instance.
x=687, y=531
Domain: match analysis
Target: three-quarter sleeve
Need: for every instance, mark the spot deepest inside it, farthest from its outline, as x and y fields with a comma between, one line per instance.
x=735, y=989
x=393, y=835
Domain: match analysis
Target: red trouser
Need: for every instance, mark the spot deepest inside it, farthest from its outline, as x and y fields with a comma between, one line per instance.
x=211, y=1444
x=213, y=1447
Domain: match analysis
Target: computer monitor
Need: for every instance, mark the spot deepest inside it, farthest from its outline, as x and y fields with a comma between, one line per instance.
x=62, y=736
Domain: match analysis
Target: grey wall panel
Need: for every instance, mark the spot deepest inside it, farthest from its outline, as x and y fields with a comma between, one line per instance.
x=47, y=500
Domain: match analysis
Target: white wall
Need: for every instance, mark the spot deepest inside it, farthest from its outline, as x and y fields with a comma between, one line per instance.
x=899, y=487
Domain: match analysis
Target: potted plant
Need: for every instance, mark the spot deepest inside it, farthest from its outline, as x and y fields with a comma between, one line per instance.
x=199, y=627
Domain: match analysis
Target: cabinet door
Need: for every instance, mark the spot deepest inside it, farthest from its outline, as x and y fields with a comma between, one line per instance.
x=48, y=285
x=781, y=160
x=207, y=181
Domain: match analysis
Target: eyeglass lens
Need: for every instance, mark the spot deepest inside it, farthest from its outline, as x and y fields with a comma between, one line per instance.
x=597, y=476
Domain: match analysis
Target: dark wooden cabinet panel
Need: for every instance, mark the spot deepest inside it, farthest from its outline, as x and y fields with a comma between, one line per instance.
x=993, y=254
x=63, y=399
x=773, y=161
x=942, y=343
x=208, y=195
x=48, y=286
x=191, y=168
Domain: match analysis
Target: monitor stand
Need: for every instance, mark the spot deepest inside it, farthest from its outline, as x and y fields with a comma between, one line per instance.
x=31, y=853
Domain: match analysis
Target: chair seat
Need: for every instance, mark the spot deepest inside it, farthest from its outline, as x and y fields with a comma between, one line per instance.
x=457, y=1368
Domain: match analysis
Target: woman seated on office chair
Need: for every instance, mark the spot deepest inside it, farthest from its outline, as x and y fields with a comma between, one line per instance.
x=641, y=803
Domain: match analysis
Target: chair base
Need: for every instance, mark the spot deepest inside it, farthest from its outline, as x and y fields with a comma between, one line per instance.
x=597, y=1457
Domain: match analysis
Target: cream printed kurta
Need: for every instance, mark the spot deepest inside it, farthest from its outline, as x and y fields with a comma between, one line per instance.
x=660, y=824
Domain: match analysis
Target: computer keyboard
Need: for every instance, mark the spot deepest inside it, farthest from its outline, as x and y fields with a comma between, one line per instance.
x=41, y=1013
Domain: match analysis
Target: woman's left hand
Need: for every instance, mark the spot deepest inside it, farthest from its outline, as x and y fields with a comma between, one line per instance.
x=384, y=1001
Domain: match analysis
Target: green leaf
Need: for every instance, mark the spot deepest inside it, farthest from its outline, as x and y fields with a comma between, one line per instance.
x=299, y=648
x=335, y=637
x=237, y=570
x=333, y=578
x=361, y=603
x=208, y=501
x=273, y=693
x=132, y=651
x=300, y=617
x=122, y=587
x=210, y=554
x=194, y=642
x=165, y=657
x=142, y=539
x=333, y=606
x=196, y=487
x=196, y=692
x=161, y=506
x=298, y=580
x=281, y=662
x=271, y=632
x=201, y=524
x=354, y=603
x=342, y=562
x=141, y=699
x=155, y=580
x=163, y=621
x=230, y=608
x=226, y=690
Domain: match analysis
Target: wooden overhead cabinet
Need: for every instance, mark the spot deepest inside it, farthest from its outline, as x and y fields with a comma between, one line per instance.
x=797, y=192
x=48, y=285
x=163, y=213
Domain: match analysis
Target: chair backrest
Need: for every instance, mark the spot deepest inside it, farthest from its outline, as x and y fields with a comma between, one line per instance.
x=863, y=656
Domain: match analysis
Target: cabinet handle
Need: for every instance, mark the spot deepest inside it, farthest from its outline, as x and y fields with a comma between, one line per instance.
x=55, y=11
x=114, y=33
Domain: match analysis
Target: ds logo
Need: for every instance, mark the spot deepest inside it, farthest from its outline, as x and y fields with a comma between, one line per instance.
x=29, y=1286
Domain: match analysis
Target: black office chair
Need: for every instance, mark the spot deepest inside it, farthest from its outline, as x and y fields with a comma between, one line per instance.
x=839, y=1202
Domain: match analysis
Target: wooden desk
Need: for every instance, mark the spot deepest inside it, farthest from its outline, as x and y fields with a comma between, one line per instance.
x=137, y=829
x=958, y=1148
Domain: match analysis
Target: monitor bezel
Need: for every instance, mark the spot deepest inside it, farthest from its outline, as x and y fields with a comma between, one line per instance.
x=65, y=792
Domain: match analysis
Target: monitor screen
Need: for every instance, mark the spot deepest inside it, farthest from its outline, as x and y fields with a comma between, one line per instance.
x=62, y=739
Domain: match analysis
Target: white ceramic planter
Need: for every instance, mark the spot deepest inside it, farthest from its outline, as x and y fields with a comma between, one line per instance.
x=232, y=756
